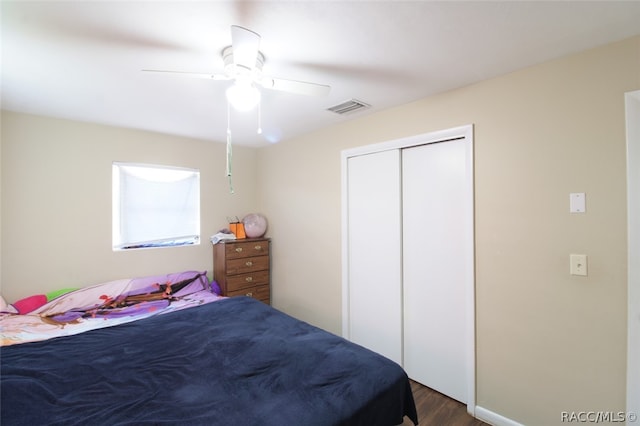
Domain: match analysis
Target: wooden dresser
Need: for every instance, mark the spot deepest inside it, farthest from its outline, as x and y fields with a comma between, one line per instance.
x=242, y=268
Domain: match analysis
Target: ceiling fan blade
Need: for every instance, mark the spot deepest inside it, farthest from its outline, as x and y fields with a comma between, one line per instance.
x=192, y=74
x=294, y=86
x=246, y=45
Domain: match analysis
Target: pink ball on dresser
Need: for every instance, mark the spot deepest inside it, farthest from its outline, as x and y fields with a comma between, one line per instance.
x=255, y=225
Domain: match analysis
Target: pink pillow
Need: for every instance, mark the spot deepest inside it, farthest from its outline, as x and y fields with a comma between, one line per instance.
x=31, y=303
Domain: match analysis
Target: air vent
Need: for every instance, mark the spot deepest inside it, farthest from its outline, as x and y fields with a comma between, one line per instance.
x=349, y=107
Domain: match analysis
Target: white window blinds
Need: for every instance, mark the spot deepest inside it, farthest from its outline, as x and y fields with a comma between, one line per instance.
x=155, y=206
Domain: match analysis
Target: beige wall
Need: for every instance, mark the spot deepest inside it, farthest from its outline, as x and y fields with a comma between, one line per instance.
x=547, y=341
x=56, y=201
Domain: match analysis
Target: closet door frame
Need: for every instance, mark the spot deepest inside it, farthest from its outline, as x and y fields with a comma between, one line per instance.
x=632, y=104
x=463, y=132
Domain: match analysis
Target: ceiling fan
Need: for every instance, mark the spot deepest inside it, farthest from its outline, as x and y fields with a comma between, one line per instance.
x=243, y=63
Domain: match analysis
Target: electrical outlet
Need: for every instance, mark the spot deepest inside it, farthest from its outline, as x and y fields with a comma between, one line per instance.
x=578, y=264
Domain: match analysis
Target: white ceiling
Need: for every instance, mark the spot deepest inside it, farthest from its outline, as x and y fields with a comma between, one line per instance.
x=83, y=60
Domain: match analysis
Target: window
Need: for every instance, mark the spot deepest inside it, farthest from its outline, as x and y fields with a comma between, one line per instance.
x=155, y=206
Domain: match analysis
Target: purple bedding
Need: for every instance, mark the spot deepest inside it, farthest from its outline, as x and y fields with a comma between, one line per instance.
x=236, y=361
x=107, y=304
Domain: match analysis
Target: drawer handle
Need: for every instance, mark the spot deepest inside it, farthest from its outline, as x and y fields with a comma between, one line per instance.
x=250, y=294
x=239, y=249
x=248, y=279
x=249, y=263
x=258, y=247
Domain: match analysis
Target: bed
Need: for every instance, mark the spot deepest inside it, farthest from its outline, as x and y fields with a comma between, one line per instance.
x=168, y=350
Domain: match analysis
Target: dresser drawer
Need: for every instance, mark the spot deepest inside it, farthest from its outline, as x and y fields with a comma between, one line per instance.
x=260, y=292
x=247, y=264
x=246, y=249
x=241, y=281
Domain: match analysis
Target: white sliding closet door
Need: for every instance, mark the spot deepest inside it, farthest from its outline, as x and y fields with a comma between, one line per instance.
x=374, y=253
x=408, y=256
x=437, y=234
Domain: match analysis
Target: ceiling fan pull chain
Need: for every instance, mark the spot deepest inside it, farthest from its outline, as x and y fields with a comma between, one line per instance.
x=229, y=150
x=229, y=155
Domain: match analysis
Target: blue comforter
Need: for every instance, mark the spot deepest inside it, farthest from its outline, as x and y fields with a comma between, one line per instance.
x=232, y=362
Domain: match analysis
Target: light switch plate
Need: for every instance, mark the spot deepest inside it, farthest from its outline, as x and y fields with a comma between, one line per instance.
x=577, y=202
x=578, y=264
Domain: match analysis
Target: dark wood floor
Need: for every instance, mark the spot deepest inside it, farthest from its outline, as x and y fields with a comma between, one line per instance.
x=435, y=408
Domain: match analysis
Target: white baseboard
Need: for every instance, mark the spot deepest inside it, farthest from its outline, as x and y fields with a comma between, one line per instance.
x=494, y=419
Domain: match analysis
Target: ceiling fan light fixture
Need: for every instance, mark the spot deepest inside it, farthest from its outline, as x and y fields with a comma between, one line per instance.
x=243, y=96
